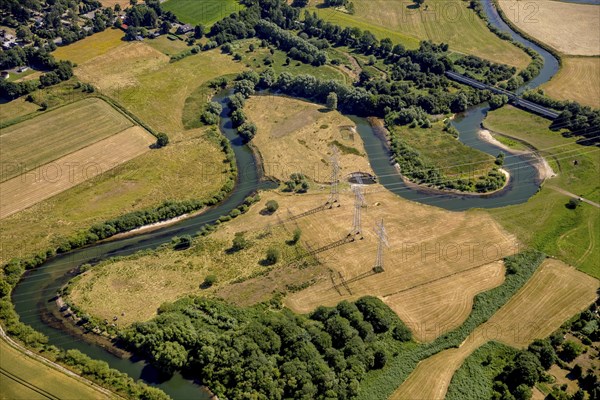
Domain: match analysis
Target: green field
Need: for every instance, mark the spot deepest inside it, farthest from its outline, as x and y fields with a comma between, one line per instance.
x=544, y=222
x=205, y=12
x=167, y=46
x=441, y=149
x=62, y=131
x=90, y=47
x=22, y=377
x=445, y=21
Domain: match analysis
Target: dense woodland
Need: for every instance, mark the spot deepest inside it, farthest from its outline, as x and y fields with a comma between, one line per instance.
x=266, y=353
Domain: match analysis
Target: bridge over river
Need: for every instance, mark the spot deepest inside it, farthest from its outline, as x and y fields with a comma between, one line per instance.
x=512, y=98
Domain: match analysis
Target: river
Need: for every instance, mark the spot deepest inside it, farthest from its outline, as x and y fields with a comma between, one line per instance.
x=33, y=295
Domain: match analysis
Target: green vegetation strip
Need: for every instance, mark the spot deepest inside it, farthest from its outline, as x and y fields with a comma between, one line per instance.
x=475, y=378
x=520, y=267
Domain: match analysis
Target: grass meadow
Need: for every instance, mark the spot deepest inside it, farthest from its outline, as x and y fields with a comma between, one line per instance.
x=445, y=21
x=544, y=221
x=441, y=149
x=205, y=12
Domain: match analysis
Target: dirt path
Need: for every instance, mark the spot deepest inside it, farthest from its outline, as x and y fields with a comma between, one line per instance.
x=573, y=195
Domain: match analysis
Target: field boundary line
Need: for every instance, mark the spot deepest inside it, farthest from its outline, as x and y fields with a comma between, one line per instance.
x=27, y=384
x=57, y=367
x=441, y=278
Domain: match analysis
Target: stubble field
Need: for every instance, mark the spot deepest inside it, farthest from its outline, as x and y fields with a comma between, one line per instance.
x=553, y=294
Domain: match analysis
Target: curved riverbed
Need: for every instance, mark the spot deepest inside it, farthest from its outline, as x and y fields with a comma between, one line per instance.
x=34, y=294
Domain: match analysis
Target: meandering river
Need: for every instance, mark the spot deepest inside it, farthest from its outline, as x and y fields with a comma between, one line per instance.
x=33, y=296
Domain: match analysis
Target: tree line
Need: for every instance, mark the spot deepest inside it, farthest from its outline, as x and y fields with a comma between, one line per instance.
x=41, y=59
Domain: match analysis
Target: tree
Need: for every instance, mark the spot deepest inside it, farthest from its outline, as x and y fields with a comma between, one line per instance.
x=209, y=281
x=499, y=159
x=240, y=242
x=273, y=255
x=570, y=350
x=165, y=27
x=199, y=31
x=162, y=140
x=418, y=2
x=297, y=235
x=170, y=356
x=24, y=33
x=573, y=204
x=544, y=351
x=247, y=131
x=251, y=48
x=332, y=101
x=526, y=370
x=117, y=7
x=523, y=392
x=402, y=333
x=272, y=206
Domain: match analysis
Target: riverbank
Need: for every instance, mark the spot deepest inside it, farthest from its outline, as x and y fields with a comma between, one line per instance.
x=378, y=126
x=544, y=169
x=154, y=226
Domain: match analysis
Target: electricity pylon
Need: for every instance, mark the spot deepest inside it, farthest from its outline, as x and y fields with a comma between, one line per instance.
x=381, y=233
x=334, y=196
x=359, y=203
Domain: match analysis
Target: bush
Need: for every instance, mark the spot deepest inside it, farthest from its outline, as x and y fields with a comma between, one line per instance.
x=209, y=281
x=240, y=242
x=271, y=206
x=273, y=256
x=161, y=140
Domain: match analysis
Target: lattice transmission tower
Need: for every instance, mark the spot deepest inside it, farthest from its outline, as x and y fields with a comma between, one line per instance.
x=383, y=241
x=334, y=196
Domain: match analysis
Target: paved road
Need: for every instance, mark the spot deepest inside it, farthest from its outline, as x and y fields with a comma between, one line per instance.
x=559, y=190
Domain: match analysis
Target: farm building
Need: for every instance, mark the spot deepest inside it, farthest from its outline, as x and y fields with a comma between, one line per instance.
x=183, y=29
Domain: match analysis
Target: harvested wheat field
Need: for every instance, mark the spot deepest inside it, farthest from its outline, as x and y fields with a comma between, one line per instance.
x=50, y=179
x=553, y=23
x=431, y=250
x=578, y=79
x=443, y=305
x=296, y=136
x=426, y=245
x=49, y=136
x=91, y=47
x=554, y=293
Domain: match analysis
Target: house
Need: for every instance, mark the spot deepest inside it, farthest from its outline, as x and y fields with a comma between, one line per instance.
x=22, y=69
x=90, y=15
x=139, y=37
x=183, y=29
x=124, y=27
x=4, y=75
